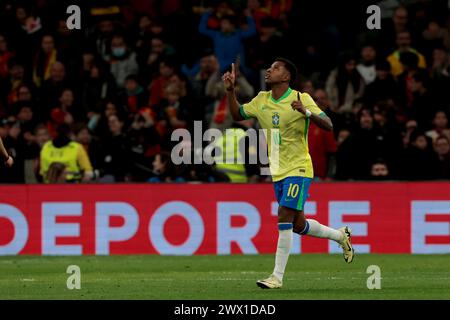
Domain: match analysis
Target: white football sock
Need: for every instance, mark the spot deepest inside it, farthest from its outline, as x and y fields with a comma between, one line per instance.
x=283, y=249
x=315, y=229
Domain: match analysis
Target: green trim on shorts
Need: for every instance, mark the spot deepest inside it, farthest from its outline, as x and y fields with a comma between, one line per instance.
x=300, y=202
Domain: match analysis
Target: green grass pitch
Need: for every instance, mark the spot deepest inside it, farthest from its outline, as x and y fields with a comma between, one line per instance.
x=308, y=276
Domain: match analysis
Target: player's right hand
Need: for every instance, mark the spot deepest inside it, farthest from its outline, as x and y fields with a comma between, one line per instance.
x=229, y=78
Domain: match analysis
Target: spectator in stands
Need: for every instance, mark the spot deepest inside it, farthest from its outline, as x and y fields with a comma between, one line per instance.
x=424, y=104
x=5, y=55
x=172, y=109
x=99, y=121
x=164, y=170
x=258, y=12
x=440, y=126
x=343, y=155
x=366, y=67
x=420, y=162
x=144, y=143
x=322, y=148
x=151, y=59
x=439, y=61
x=218, y=115
x=115, y=147
x=410, y=127
x=345, y=84
x=405, y=79
x=44, y=60
x=434, y=36
x=390, y=133
x=133, y=96
x=442, y=148
x=159, y=84
x=263, y=48
x=207, y=67
x=24, y=94
x=122, y=60
x=404, y=45
x=51, y=89
x=10, y=85
x=379, y=170
x=40, y=137
x=441, y=76
x=25, y=117
x=228, y=42
x=28, y=31
x=90, y=144
x=98, y=84
x=398, y=23
x=384, y=87
x=144, y=33
x=366, y=144
x=102, y=36
x=69, y=102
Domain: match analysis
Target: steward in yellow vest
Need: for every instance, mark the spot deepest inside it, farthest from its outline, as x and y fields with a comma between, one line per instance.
x=72, y=154
x=228, y=157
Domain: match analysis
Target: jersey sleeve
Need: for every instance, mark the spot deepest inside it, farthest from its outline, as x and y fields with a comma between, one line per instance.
x=310, y=104
x=250, y=110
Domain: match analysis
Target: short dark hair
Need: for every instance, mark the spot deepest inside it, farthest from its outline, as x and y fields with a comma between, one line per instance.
x=409, y=59
x=290, y=66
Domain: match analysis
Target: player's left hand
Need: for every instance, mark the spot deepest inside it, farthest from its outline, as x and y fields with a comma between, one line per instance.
x=298, y=105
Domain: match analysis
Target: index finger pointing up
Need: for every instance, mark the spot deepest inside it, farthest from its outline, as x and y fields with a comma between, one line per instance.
x=232, y=69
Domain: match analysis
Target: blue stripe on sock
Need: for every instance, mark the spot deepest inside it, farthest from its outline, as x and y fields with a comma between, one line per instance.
x=284, y=226
x=305, y=231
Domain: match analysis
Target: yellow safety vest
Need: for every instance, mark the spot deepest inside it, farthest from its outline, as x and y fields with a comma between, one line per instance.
x=228, y=159
x=67, y=155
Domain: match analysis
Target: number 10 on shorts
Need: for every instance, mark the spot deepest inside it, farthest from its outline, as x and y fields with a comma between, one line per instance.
x=293, y=190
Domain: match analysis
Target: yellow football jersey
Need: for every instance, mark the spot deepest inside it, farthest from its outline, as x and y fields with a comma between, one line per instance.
x=286, y=132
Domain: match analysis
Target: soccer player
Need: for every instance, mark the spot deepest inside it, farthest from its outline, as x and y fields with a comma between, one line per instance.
x=285, y=114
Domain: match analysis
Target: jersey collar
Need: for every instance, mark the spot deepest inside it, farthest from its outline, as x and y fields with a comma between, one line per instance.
x=286, y=94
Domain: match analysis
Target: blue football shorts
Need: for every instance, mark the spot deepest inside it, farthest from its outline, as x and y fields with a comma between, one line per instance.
x=292, y=192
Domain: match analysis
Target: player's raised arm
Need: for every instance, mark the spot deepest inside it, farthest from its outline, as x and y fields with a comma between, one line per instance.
x=229, y=80
x=322, y=120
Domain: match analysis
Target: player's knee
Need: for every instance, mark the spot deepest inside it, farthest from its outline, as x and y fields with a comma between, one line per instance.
x=285, y=215
x=299, y=226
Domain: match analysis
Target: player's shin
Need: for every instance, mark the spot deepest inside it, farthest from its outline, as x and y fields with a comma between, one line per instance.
x=315, y=229
x=283, y=249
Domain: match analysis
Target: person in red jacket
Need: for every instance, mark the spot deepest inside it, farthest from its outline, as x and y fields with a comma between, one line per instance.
x=322, y=147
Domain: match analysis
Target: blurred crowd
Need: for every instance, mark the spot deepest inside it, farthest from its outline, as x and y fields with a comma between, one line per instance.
x=111, y=94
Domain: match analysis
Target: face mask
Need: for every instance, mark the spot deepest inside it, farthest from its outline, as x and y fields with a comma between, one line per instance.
x=119, y=52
